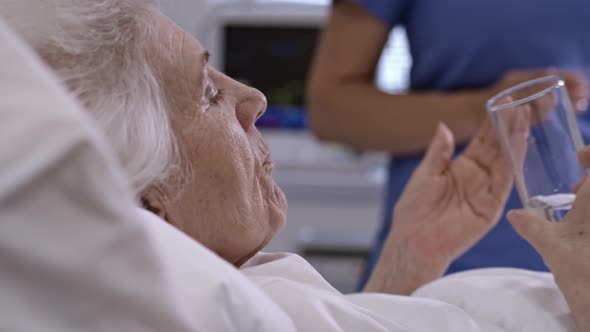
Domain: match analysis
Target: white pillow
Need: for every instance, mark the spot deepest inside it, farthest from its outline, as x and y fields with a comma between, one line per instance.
x=213, y=288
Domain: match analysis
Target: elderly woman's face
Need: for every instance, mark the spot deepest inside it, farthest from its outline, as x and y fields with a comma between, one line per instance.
x=228, y=201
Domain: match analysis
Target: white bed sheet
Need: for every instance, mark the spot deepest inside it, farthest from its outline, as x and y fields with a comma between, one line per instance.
x=492, y=300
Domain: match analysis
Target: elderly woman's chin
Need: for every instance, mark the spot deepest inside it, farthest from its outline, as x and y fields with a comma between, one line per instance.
x=277, y=204
x=276, y=212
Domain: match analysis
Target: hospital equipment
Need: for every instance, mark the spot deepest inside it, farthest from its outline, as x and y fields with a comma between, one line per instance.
x=270, y=45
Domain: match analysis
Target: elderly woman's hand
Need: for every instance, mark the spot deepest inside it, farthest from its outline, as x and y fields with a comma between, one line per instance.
x=445, y=209
x=565, y=247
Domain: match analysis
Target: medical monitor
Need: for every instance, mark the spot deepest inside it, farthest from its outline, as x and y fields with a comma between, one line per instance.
x=270, y=45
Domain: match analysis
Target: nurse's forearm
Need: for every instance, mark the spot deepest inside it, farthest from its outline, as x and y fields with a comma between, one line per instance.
x=357, y=114
x=400, y=272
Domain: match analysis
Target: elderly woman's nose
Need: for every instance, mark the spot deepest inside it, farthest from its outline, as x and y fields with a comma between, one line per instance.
x=250, y=107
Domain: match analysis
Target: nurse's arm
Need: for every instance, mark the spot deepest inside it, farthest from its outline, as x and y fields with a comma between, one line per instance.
x=346, y=106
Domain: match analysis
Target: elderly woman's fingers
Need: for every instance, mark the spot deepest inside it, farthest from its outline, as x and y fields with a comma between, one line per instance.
x=518, y=133
x=485, y=146
x=439, y=153
x=584, y=157
x=502, y=177
x=485, y=150
x=580, y=211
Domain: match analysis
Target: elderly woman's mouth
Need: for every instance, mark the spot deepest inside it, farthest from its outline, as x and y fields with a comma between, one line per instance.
x=268, y=164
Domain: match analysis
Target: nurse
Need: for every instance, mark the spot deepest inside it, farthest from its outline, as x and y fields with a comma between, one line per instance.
x=463, y=53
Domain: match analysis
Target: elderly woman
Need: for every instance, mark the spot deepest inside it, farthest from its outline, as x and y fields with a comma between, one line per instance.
x=185, y=135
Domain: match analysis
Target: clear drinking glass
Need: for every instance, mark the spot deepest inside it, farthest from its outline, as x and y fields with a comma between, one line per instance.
x=538, y=129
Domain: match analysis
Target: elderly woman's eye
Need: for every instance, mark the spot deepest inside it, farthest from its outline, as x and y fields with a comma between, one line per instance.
x=217, y=97
x=213, y=95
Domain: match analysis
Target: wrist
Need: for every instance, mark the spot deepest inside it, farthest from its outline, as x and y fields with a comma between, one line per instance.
x=477, y=100
x=401, y=270
x=424, y=251
x=469, y=106
x=415, y=258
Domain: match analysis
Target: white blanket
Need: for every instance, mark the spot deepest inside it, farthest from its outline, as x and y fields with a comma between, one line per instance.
x=505, y=299
x=495, y=300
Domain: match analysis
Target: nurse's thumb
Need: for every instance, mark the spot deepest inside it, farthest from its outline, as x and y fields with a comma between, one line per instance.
x=533, y=228
x=440, y=151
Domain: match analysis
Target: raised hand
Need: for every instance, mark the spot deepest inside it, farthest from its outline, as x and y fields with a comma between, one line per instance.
x=565, y=247
x=447, y=206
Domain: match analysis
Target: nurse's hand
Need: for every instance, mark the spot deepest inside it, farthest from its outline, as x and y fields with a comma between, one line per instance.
x=576, y=83
x=565, y=247
x=447, y=206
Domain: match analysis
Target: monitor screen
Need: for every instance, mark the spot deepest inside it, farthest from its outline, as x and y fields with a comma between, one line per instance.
x=275, y=60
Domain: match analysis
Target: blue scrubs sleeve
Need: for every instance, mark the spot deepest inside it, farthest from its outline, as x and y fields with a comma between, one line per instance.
x=388, y=11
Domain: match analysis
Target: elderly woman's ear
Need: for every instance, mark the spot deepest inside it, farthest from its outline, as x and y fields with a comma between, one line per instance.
x=153, y=199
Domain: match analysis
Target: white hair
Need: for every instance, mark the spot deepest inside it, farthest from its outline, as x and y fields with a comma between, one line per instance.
x=98, y=49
